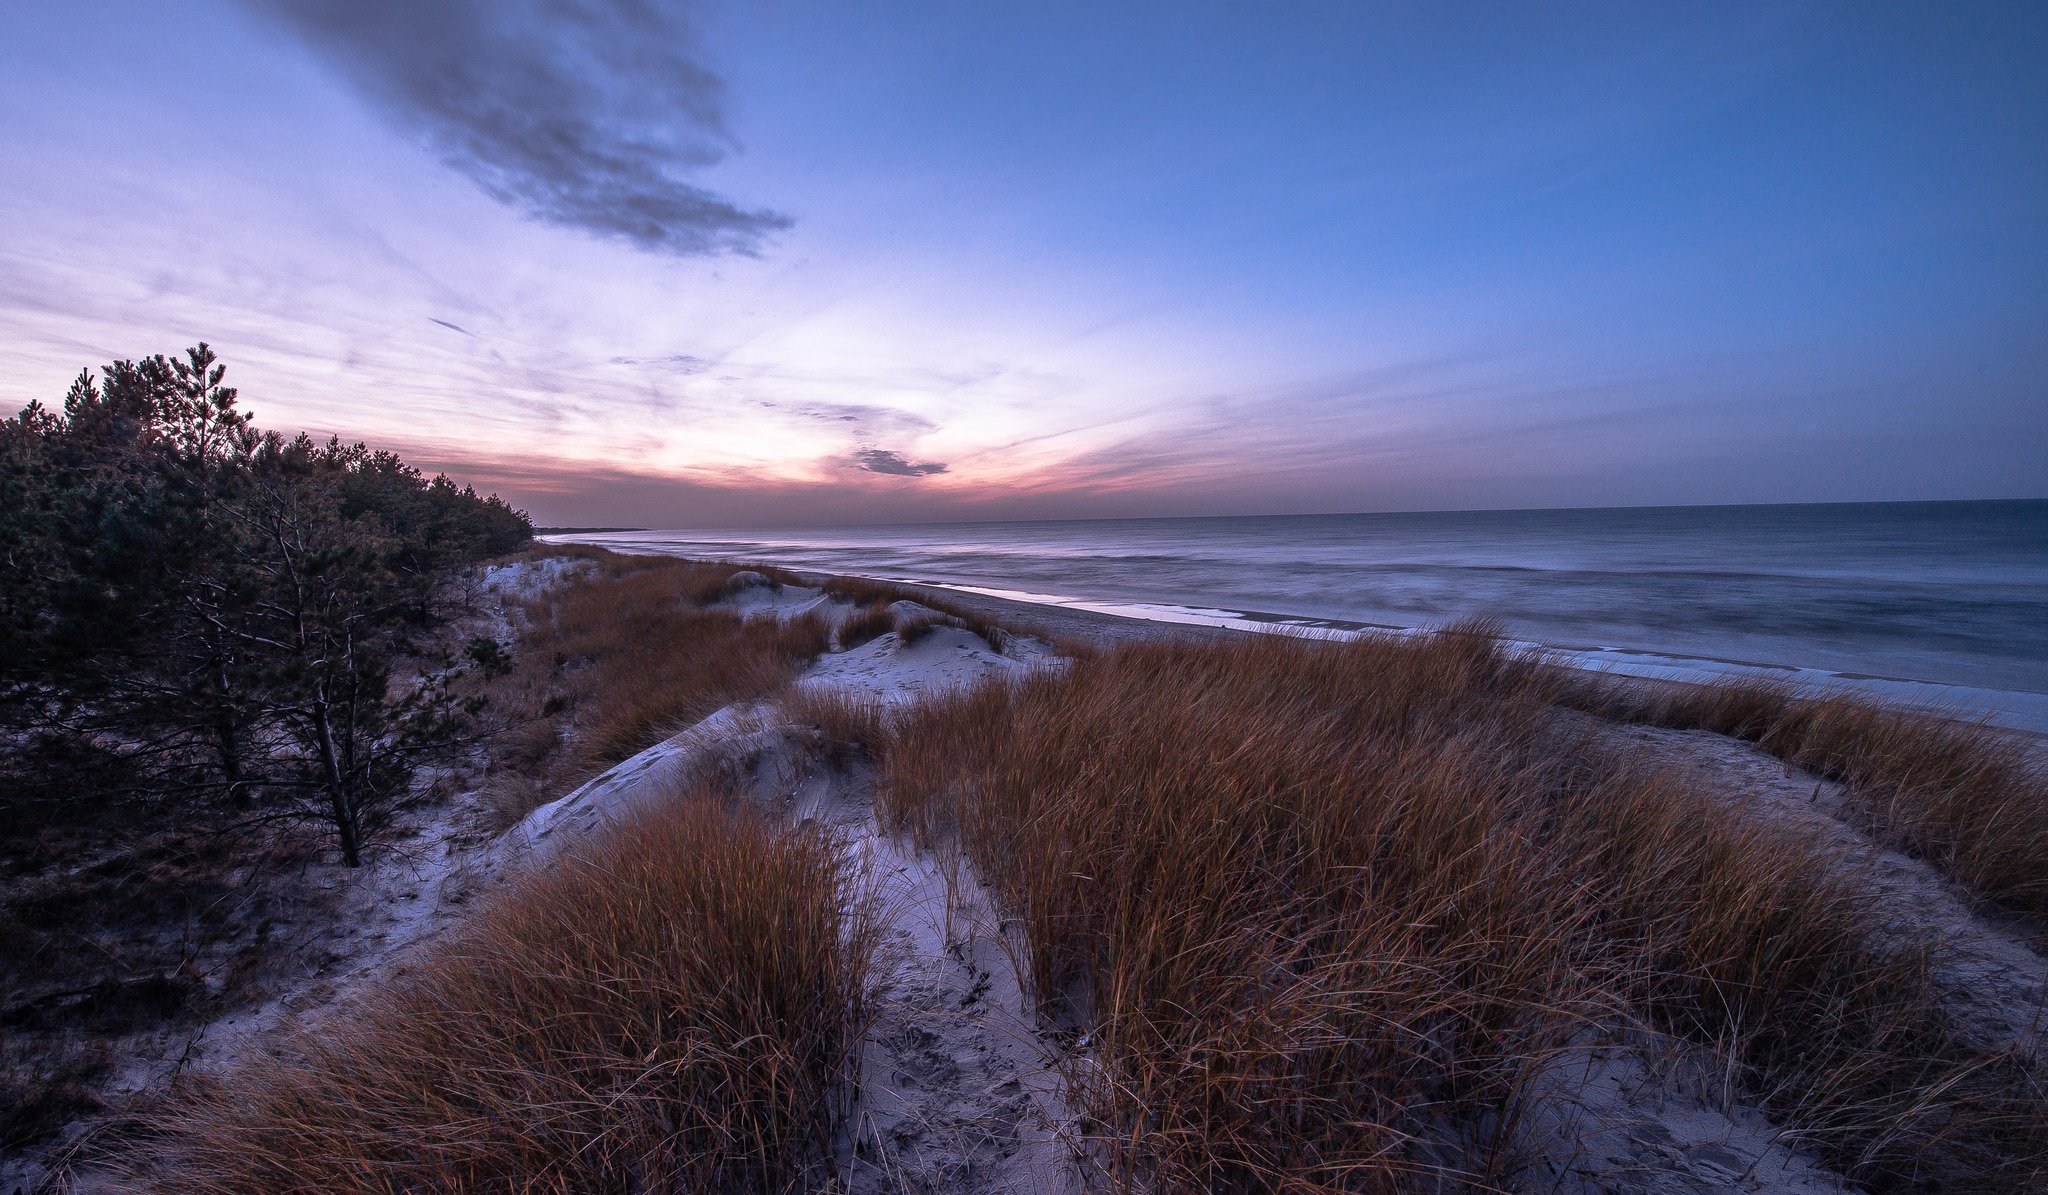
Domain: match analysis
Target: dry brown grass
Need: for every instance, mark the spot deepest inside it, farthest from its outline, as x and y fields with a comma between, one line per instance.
x=872, y=594
x=620, y=657
x=714, y=580
x=698, y=581
x=864, y=592
x=845, y=728
x=868, y=623
x=1325, y=907
x=669, y=1007
x=1968, y=798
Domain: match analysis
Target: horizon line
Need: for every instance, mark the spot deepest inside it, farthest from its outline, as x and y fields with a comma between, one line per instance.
x=1331, y=514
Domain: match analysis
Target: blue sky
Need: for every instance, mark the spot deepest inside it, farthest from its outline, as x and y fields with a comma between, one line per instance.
x=722, y=264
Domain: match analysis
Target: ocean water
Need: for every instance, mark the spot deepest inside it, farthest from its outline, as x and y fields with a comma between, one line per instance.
x=1943, y=602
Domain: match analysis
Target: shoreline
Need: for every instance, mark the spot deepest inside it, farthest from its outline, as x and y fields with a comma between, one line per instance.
x=1925, y=605
x=2016, y=711
x=1105, y=623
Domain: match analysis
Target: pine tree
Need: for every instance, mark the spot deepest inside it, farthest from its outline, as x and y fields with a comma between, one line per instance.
x=221, y=610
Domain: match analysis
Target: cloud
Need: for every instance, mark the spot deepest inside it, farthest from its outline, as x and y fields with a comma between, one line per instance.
x=578, y=112
x=869, y=419
x=452, y=327
x=682, y=363
x=881, y=460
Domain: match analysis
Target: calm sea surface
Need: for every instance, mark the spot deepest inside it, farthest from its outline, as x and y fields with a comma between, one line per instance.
x=1953, y=593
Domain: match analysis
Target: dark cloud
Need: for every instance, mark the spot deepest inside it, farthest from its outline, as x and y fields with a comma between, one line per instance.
x=578, y=112
x=451, y=327
x=881, y=460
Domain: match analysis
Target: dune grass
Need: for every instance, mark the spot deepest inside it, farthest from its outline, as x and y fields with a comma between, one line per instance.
x=843, y=728
x=1968, y=798
x=1325, y=909
x=879, y=595
x=868, y=623
x=623, y=655
x=668, y=1007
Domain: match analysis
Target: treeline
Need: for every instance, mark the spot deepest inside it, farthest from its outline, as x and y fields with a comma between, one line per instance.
x=195, y=610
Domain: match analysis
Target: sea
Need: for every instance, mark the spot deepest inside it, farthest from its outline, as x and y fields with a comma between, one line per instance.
x=1941, y=604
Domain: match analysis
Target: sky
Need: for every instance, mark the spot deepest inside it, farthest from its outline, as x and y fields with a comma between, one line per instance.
x=629, y=262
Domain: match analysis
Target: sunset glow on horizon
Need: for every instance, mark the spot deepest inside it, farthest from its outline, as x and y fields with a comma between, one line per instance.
x=814, y=265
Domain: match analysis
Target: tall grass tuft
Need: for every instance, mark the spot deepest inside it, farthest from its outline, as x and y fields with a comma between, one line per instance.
x=1324, y=907
x=1968, y=798
x=847, y=728
x=670, y=1007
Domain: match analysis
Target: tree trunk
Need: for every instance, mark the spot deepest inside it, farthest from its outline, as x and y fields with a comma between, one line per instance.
x=342, y=807
x=227, y=731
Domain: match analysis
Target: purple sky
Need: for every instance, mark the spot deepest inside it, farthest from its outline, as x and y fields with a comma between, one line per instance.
x=721, y=264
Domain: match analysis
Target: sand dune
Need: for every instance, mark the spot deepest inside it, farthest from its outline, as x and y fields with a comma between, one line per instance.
x=961, y=1085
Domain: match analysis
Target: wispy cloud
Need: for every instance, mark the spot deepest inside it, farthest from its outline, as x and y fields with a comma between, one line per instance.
x=579, y=112
x=679, y=363
x=882, y=460
x=867, y=421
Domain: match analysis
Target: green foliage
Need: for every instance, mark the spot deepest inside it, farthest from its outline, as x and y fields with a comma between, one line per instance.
x=220, y=608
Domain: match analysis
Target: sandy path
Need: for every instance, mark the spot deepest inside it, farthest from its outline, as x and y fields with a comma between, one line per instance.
x=957, y=1089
